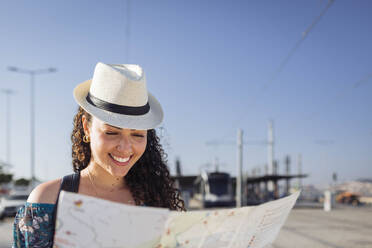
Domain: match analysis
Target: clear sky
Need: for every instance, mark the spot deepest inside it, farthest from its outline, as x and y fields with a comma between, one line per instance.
x=212, y=65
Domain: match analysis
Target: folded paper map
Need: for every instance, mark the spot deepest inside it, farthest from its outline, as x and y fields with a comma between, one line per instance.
x=84, y=221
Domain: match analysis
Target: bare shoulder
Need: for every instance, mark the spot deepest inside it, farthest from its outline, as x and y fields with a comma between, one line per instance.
x=45, y=193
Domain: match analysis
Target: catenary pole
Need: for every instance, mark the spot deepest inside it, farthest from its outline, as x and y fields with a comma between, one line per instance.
x=239, y=165
x=299, y=164
x=270, y=156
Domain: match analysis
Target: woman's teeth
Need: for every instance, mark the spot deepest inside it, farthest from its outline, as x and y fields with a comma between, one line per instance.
x=122, y=160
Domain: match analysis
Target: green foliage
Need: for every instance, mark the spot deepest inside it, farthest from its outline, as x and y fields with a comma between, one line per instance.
x=5, y=178
x=22, y=182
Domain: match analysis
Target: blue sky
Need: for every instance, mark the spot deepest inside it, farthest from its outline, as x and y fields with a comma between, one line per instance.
x=207, y=62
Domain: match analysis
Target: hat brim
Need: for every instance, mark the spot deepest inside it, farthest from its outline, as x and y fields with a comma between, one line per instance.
x=150, y=120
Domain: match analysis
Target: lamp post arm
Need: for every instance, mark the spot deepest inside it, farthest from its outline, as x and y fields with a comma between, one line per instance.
x=34, y=72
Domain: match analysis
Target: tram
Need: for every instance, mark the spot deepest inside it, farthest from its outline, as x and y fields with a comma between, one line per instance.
x=214, y=189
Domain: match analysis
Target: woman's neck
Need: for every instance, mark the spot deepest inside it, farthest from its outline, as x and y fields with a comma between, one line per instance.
x=102, y=180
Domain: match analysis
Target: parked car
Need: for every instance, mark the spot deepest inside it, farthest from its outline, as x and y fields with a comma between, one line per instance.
x=10, y=204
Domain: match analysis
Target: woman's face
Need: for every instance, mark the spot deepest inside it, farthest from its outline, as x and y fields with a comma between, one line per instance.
x=114, y=149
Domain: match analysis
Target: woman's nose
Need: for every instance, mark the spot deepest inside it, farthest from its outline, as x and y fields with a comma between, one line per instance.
x=125, y=145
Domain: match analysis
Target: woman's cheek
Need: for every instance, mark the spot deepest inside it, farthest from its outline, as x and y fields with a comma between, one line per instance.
x=142, y=147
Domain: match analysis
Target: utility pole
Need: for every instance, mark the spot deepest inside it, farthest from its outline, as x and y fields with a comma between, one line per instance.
x=216, y=164
x=299, y=164
x=178, y=167
x=7, y=93
x=287, y=173
x=270, y=156
x=239, y=165
x=275, y=182
x=276, y=167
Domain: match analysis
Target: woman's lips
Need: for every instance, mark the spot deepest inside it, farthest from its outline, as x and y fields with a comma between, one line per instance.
x=119, y=160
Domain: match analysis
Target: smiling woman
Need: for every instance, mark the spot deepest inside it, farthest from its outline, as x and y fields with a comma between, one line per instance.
x=116, y=154
x=114, y=149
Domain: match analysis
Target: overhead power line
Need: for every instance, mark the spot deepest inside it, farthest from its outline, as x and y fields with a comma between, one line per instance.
x=362, y=81
x=355, y=85
x=287, y=58
x=343, y=93
x=297, y=45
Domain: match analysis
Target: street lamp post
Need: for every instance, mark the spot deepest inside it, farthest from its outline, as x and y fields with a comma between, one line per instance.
x=7, y=93
x=32, y=74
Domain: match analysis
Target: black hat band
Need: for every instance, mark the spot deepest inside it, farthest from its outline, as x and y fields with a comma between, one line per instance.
x=115, y=108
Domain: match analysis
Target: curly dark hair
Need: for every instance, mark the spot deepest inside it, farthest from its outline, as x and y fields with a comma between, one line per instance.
x=149, y=180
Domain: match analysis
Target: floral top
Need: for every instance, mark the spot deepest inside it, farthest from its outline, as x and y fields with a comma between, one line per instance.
x=33, y=226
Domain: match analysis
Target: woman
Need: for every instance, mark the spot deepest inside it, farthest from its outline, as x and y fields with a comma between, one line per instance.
x=116, y=153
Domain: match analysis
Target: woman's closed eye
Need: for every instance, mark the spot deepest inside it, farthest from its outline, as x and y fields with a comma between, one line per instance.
x=138, y=135
x=111, y=133
x=116, y=133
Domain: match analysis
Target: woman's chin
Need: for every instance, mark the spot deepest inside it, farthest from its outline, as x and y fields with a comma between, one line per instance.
x=119, y=171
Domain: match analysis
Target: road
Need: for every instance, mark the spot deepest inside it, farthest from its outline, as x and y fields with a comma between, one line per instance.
x=6, y=233
x=343, y=227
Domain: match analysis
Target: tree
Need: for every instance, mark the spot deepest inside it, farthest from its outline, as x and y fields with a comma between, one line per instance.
x=22, y=182
x=4, y=177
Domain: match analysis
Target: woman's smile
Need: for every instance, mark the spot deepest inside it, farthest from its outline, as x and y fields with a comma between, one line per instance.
x=120, y=161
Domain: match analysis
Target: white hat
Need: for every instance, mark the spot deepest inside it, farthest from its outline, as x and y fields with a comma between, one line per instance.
x=117, y=95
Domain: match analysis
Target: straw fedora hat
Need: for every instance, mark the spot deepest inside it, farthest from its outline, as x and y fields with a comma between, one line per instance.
x=117, y=95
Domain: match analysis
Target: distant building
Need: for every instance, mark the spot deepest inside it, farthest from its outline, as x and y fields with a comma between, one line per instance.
x=208, y=189
x=363, y=188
